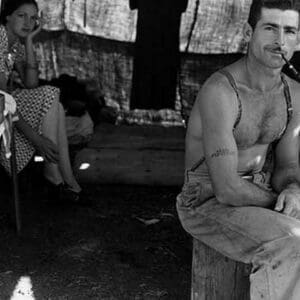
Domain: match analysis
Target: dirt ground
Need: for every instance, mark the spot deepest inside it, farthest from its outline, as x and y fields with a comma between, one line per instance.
x=127, y=243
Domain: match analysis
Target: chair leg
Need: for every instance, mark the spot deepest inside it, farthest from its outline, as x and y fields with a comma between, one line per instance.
x=13, y=163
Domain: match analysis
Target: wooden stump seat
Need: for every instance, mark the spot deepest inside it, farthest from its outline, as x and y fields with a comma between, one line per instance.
x=216, y=277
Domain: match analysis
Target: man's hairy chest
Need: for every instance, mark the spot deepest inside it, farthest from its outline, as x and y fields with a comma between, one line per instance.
x=263, y=120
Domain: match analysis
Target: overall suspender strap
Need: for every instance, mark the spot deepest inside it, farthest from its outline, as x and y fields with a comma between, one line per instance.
x=289, y=108
x=288, y=100
x=234, y=86
x=197, y=164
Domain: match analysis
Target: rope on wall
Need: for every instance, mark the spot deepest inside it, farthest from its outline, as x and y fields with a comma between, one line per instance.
x=195, y=17
x=180, y=79
x=63, y=14
x=85, y=13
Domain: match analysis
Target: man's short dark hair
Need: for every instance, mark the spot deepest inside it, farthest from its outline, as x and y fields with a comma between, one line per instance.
x=257, y=5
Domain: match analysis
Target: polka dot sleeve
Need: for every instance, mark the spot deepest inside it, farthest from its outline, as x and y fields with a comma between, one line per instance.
x=20, y=55
x=3, y=50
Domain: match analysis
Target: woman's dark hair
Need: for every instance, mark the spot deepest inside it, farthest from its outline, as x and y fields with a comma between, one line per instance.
x=9, y=6
x=257, y=5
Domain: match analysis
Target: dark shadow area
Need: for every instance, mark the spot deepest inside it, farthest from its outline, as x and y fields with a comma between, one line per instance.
x=156, y=58
x=127, y=243
x=295, y=61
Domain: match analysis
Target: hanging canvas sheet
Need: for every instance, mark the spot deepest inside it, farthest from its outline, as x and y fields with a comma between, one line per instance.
x=214, y=26
x=53, y=14
x=110, y=19
x=207, y=26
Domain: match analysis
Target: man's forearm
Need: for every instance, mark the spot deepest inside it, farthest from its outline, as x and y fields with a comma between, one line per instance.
x=247, y=193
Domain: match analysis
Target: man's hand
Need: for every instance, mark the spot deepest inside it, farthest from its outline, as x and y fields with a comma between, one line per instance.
x=47, y=149
x=288, y=202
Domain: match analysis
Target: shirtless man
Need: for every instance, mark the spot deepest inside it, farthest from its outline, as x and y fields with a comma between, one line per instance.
x=227, y=201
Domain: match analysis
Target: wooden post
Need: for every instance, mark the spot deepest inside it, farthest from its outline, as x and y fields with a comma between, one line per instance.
x=216, y=277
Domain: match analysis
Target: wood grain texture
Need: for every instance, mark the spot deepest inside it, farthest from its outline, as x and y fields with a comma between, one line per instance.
x=216, y=277
x=125, y=166
x=138, y=137
x=143, y=155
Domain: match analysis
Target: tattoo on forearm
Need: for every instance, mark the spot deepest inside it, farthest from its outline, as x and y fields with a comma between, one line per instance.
x=222, y=152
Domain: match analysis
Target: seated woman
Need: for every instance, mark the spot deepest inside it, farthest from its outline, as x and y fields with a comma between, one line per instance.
x=41, y=125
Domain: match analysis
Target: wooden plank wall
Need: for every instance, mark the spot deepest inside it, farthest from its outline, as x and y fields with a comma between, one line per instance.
x=143, y=155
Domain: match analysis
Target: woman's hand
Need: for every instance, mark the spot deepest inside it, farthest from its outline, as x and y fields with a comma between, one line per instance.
x=47, y=149
x=37, y=28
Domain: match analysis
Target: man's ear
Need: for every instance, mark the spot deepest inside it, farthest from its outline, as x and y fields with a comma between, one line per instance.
x=247, y=32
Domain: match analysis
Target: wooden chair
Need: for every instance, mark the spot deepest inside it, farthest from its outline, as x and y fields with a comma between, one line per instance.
x=15, y=203
x=15, y=184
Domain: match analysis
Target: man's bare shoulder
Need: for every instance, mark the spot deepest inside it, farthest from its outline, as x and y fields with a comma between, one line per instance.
x=216, y=89
x=216, y=100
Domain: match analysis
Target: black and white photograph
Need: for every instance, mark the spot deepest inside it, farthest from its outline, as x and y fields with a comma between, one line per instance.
x=149, y=150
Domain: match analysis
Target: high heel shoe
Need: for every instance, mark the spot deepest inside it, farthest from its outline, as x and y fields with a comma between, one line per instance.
x=63, y=194
x=69, y=196
x=52, y=191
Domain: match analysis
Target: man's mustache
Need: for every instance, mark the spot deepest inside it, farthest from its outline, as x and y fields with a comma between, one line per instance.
x=277, y=49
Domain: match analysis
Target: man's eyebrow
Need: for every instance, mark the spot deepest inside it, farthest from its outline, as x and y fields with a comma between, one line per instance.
x=277, y=26
x=270, y=24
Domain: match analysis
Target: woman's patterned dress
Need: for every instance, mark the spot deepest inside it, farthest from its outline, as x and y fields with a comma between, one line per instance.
x=32, y=104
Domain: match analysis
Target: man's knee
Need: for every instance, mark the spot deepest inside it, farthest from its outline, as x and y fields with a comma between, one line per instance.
x=292, y=246
x=277, y=251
